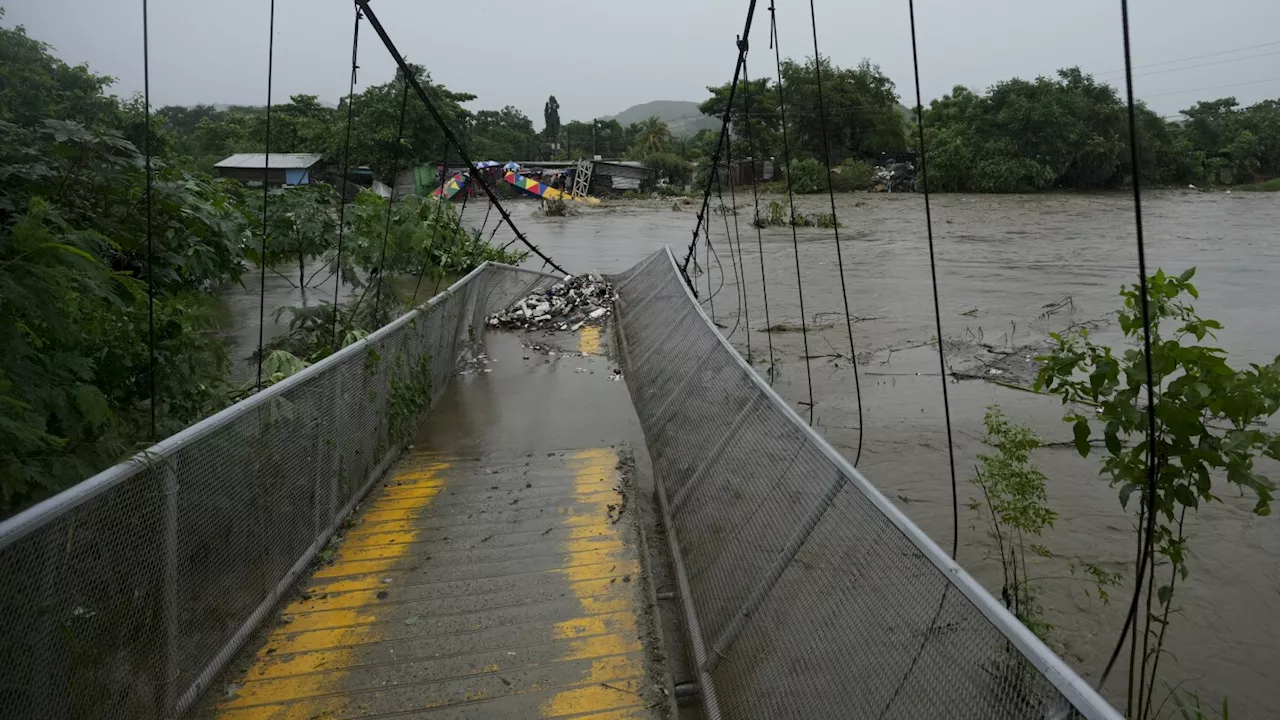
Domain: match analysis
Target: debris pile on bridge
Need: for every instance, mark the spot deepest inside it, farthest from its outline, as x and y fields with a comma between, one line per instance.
x=578, y=300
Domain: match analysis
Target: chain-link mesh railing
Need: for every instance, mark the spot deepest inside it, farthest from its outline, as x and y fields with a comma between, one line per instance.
x=124, y=596
x=806, y=593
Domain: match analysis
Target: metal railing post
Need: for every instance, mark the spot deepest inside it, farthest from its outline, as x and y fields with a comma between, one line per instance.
x=171, y=615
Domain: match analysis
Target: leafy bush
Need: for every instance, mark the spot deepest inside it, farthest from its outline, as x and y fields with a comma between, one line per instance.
x=1015, y=507
x=1010, y=175
x=669, y=166
x=806, y=176
x=1210, y=428
x=852, y=176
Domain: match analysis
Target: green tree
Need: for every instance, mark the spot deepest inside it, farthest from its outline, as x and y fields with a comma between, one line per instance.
x=861, y=110
x=551, y=118
x=1209, y=430
x=670, y=167
x=652, y=136
x=301, y=226
x=75, y=386
x=1068, y=132
x=501, y=135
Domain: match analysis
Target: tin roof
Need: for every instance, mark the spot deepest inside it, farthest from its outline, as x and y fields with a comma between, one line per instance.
x=279, y=161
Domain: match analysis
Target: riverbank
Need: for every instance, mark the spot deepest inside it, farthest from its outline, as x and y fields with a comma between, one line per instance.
x=1272, y=185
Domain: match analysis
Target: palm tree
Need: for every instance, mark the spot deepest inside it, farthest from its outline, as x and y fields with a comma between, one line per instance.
x=654, y=134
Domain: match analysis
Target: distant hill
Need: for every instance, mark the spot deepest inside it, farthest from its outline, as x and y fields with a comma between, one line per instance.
x=681, y=116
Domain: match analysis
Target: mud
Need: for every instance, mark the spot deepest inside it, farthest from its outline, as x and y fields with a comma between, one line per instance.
x=1010, y=269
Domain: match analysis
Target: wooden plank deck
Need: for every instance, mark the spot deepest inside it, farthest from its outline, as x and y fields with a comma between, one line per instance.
x=493, y=579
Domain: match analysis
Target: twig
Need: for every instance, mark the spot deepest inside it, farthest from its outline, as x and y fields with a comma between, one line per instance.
x=615, y=687
x=273, y=269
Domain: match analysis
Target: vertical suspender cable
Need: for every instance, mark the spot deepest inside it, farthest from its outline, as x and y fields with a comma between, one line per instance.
x=266, y=192
x=435, y=227
x=1149, y=496
x=151, y=283
x=791, y=203
x=386, y=231
x=739, y=270
x=933, y=274
x=755, y=196
x=457, y=230
x=711, y=296
x=488, y=209
x=346, y=180
x=737, y=276
x=844, y=291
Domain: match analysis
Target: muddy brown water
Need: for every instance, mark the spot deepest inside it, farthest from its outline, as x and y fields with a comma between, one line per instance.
x=1001, y=260
x=1003, y=263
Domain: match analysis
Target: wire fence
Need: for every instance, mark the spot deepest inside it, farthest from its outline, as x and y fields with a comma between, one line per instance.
x=807, y=594
x=125, y=595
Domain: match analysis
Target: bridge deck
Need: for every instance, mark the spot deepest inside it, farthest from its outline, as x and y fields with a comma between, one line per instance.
x=496, y=573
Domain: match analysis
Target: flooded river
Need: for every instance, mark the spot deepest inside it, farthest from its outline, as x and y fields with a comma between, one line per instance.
x=1003, y=262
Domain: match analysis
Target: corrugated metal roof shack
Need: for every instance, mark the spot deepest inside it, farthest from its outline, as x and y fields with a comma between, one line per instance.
x=285, y=168
x=612, y=178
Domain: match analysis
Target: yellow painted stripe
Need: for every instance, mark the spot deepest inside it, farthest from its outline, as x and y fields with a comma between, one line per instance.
x=615, y=671
x=347, y=568
x=594, y=697
x=582, y=638
x=373, y=582
x=561, y=531
x=589, y=340
x=305, y=630
x=377, y=552
x=352, y=625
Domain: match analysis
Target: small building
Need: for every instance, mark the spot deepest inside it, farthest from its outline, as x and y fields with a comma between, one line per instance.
x=285, y=168
x=748, y=170
x=612, y=177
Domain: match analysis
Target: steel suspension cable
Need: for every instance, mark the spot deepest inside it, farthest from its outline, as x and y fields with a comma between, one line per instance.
x=151, y=284
x=449, y=135
x=485, y=223
x=791, y=202
x=955, y=511
x=346, y=180
x=266, y=192
x=711, y=296
x=391, y=200
x=831, y=195
x=724, y=129
x=755, y=196
x=1150, y=494
x=739, y=270
x=933, y=275
x=737, y=277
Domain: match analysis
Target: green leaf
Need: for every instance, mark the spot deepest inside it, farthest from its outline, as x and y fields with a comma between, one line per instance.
x=92, y=404
x=1081, y=432
x=1125, y=491
x=1187, y=274
x=1164, y=594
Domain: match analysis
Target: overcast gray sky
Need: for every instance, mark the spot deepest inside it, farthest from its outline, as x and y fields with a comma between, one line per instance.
x=599, y=57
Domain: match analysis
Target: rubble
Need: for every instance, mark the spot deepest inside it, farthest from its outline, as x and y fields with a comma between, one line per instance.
x=894, y=177
x=566, y=306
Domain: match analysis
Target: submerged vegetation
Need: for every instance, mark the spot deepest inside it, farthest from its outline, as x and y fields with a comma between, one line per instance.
x=1015, y=507
x=1210, y=430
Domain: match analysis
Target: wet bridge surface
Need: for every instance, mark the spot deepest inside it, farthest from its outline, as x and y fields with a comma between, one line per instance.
x=494, y=573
